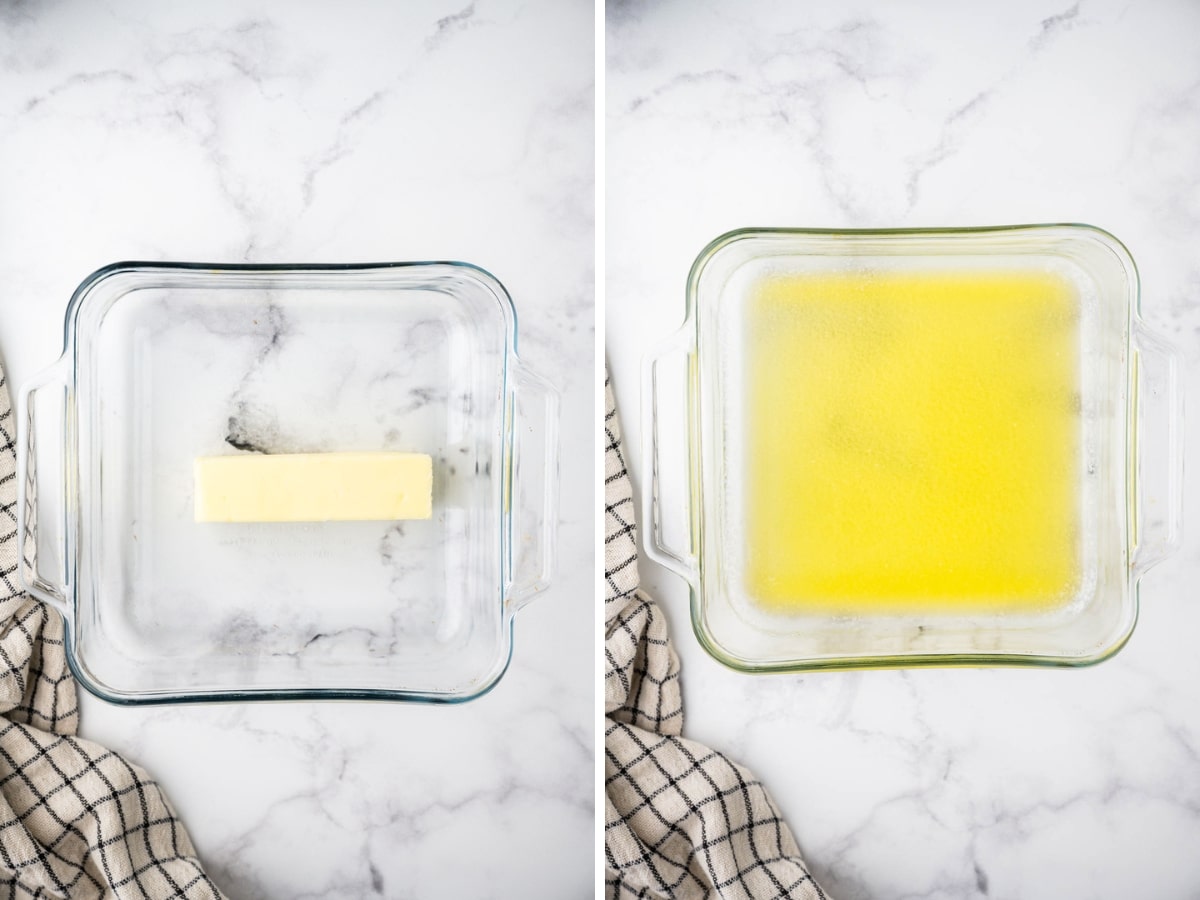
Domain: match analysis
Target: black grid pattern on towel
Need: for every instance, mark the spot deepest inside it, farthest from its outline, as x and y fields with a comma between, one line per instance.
x=620, y=527
x=77, y=821
x=114, y=832
x=9, y=583
x=681, y=821
x=641, y=677
x=33, y=669
x=641, y=681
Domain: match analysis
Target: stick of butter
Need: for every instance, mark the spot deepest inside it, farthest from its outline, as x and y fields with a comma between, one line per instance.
x=314, y=487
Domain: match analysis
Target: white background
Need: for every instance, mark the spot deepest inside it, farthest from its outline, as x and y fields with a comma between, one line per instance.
x=306, y=132
x=939, y=784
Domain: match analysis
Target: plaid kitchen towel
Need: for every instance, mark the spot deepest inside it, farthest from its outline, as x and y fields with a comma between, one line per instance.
x=681, y=820
x=76, y=820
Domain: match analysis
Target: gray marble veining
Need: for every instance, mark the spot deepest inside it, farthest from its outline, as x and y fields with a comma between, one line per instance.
x=939, y=784
x=305, y=134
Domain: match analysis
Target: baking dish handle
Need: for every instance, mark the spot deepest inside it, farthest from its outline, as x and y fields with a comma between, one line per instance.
x=532, y=485
x=1159, y=479
x=49, y=392
x=667, y=370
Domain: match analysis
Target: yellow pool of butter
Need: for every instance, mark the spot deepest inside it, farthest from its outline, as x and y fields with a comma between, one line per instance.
x=313, y=487
x=913, y=442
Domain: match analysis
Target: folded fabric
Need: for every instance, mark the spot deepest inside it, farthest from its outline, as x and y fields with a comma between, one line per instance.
x=681, y=820
x=76, y=820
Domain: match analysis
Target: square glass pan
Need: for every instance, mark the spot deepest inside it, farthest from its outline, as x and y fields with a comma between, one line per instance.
x=164, y=363
x=1130, y=470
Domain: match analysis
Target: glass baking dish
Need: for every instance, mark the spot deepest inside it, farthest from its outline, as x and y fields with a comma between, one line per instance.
x=164, y=363
x=1125, y=453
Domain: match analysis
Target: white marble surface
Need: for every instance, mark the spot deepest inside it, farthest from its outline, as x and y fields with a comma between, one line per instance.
x=280, y=132
x=939, y=783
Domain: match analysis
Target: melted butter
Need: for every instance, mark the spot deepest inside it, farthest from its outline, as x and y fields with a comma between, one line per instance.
x=913, y=442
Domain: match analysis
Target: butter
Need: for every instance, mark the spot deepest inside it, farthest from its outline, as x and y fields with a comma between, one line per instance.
x=314, y=487
x=914, y=439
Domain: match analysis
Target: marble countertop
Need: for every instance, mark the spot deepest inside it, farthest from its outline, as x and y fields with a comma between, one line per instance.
x=932, y=784
x=258, y=132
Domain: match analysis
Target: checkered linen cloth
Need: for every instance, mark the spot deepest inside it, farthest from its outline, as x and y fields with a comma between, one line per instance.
x=681, y=820
x=76, y=821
